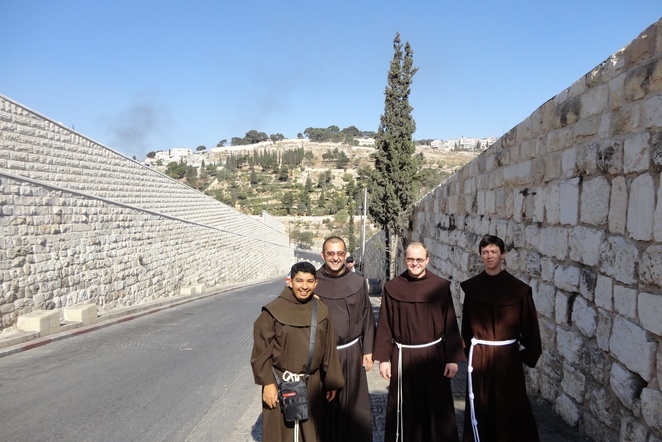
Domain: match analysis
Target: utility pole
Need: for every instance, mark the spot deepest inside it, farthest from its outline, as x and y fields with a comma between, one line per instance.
x=365, y=207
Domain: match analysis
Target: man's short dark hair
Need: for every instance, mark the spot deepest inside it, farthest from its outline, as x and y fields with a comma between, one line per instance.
x=303, y=267
x=489, y=240
x=334, y=239
x=349, y=258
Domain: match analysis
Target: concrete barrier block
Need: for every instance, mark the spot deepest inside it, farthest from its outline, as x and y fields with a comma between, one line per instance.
x=86, y=314
x=187, y=291
x=45, y=322
x=200, y=289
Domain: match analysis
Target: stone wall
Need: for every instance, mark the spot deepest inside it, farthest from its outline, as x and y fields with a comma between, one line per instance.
x=83, y=223
x=575, y=190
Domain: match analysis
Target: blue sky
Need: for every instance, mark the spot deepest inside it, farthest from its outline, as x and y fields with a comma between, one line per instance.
x=151, y=75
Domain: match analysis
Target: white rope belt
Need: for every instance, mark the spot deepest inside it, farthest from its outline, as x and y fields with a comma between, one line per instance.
x=470, y=369
x=349, y=344
x=400, y=412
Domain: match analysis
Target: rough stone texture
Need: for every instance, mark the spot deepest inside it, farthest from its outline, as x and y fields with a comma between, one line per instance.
x=585, y=317
x=585, y=245
x=574, y=383
x=567, y=409
x=626, y=385
x=625, y=301
x=651, y=407
x=567, y=278
x=590, y=425
x=569, y=192
x=603, y=293
x=618, y=259
x=630, y=345
x=650, y=312
x=633, y=431
x=618, y=205
x=569, y=345
x=640, y=208
x=603, y=331
x=603, y=406
x=595, y=201
x=651, y=265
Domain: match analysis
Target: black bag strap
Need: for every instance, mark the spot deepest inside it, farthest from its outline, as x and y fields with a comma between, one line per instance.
x=313, y=330
x=311, y=346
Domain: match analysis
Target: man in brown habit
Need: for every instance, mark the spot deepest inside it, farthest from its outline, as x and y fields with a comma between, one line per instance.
x=418, y=345
x=346, y=295
x=500, y=331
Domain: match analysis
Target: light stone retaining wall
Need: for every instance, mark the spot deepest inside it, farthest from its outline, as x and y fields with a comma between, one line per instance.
x=575, y=190
x=80, y=223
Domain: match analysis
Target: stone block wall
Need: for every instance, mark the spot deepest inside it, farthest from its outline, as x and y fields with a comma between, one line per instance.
x=33, y=146
x=80, y=223
x=575, y=190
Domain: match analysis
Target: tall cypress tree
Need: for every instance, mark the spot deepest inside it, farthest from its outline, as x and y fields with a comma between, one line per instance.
x=393, y=181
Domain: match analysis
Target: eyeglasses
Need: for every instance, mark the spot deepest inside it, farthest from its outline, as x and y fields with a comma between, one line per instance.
x=418, y=260
x=338, y=254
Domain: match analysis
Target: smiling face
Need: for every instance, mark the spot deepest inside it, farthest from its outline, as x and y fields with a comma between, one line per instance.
x=302, y=285
x=492, y=257
x=416, y=258
x=333, y=255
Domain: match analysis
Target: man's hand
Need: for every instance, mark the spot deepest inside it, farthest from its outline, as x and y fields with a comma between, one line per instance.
x=270, y=395
x=331, y=395
x=367, y=362
x=385, y=370
x=450, y=369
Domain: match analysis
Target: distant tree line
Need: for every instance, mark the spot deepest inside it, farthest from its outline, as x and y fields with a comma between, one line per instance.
x=265, y=159
x=333, y=134
x=254, y=137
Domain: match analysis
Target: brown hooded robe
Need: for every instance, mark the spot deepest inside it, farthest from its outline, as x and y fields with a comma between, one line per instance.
x=346, y=295
x=414, y=312
x=500, y=308
x=281, y=337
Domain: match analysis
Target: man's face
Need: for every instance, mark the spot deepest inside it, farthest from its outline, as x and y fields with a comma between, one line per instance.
x=492, y=257
x=303, y=285
x=416, y=260
x=334, y=257
x=350, y=265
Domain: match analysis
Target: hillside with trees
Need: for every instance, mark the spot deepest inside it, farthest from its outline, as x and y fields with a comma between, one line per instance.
x=318, y=185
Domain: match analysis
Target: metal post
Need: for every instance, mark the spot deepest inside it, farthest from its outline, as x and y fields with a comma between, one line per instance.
x=365, y=207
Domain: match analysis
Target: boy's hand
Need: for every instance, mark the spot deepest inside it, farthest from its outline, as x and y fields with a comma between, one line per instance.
x=270, y=395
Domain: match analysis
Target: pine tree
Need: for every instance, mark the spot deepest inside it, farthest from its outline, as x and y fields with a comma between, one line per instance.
x=393, y=181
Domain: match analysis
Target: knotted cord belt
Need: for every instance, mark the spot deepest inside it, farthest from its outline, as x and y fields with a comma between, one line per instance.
x=400, y=413
x=474, y=342
x=349, y=344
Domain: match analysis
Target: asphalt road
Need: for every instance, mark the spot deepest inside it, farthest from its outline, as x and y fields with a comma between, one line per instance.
x=182, y=374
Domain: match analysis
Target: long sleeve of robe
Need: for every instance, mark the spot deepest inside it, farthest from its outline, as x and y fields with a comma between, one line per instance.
x=414, y=312
x=281, y=337
x=500, y=308
x=346, y=295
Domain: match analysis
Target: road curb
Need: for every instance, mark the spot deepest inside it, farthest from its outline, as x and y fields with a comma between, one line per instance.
x=30, y=340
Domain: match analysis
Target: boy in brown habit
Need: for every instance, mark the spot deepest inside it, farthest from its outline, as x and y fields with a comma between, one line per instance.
x=281, y=338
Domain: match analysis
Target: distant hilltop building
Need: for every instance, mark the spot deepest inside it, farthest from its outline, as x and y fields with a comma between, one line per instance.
x=173, y=154
x=463, y=143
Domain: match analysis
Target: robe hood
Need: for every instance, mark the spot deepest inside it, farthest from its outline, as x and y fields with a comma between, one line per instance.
x=500, y=289
x=405, y=288
x=288, y=310
x=344, y=285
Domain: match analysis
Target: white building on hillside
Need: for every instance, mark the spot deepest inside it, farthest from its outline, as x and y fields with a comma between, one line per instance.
x=173, y=154
x=463, y=143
